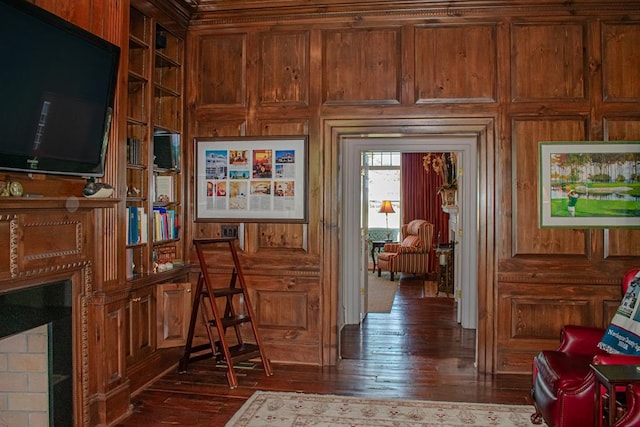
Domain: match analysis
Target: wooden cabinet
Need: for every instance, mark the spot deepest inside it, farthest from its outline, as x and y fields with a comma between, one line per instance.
x=139, y=320
x=154, y=199
x=173, y=301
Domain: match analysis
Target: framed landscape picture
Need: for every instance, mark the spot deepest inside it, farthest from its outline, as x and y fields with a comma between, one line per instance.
x=589, y=184
x=261, y=179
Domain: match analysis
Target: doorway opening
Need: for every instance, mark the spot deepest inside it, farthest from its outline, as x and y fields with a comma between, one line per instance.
x=480, y=130
x=354, y=268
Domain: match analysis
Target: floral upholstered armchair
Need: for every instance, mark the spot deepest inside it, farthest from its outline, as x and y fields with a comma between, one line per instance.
x=411, y=255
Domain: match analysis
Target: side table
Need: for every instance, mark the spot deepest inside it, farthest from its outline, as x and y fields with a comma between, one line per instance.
x=610, y=377
x=445, y=258
x=376, y=245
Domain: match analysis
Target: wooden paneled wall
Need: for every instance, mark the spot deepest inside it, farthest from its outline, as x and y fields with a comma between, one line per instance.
x=540, y=73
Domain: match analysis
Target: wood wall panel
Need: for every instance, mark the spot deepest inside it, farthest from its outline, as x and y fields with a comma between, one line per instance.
x=222, y=70
x=538, y=318
x=113, y=361
x=281, y=236
x=283, y=68
x=57, y=241
x=621, y=61
x=531, y=316
x=622, y=242
x=282, y=309
x=220, y=128
x=362, y=66
x=76, y=11
x=274, y=127
x=609, y=308
x=537, y=75
x=548, y=61
x=456, y=63
x=529, y=238
x=287, y=308
x=622, y=128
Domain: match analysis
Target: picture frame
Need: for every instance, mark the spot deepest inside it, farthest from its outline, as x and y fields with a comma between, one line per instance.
x=251, y=179
x=589, y=184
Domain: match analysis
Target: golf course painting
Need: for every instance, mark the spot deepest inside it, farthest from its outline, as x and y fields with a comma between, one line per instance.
x=590, y=184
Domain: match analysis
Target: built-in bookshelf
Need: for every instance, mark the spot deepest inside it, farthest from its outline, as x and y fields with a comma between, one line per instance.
x=154, y=207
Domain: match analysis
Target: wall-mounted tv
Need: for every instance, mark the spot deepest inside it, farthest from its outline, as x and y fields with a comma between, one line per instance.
x=57, y=86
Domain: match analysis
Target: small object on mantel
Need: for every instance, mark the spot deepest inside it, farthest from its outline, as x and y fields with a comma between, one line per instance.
x=4, y=189
x=98, y=190
x=32, y=195
x=15, y=188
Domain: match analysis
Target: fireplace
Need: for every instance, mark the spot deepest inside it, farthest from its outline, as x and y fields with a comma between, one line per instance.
x=48, y=246
x=36, y=356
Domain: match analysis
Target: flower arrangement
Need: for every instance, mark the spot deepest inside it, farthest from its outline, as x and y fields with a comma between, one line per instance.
x=445, y=166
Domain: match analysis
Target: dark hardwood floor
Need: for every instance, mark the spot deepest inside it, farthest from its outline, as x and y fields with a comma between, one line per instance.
x=417, y=351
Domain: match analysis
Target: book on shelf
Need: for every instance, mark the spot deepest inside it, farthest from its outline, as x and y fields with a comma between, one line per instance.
x=165, y=224
x=165, y=254
x=144, y=238
x=136, y=225
x=133, y=151
x=130, y=267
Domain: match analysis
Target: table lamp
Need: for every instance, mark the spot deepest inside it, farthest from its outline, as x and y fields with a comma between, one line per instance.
x=386, y=208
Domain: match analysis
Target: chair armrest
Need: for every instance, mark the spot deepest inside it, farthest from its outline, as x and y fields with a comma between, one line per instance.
x=391, y=247
x=580, y=340
x=411, y=250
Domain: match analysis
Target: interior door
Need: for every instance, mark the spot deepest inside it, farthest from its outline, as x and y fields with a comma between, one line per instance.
x=364, y=227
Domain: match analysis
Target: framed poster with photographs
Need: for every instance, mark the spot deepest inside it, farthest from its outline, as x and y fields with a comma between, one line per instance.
x=589, y=184
x=251, y=179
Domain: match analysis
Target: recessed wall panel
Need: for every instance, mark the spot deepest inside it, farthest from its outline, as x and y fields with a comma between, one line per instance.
x=362, y=66
x=529, y=238
x=222, y=70
x=621, y=61
x=455, y=63
x=284, y=68
x=548, y=61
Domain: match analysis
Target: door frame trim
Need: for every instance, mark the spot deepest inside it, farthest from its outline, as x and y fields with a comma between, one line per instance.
x=333, y=131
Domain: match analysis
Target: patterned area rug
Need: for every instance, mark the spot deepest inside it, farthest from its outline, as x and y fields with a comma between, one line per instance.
x=299, y=409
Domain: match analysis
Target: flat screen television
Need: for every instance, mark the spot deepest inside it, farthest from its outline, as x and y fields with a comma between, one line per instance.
x=57, y=88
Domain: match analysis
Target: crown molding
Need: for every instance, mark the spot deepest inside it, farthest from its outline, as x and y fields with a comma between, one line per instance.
x=225, y=12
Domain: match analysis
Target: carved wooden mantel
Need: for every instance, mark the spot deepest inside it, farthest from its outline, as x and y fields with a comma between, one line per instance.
x=46, y=240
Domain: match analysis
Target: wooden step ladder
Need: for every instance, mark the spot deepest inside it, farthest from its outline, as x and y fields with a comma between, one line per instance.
x=217, y=321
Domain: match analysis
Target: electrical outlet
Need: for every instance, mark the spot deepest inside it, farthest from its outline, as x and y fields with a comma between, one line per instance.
x=229, y=231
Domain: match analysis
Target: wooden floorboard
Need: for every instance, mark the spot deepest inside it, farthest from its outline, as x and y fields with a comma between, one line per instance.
x=417, y=351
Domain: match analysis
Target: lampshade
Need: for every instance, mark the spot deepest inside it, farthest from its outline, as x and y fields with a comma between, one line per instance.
x=386, y=207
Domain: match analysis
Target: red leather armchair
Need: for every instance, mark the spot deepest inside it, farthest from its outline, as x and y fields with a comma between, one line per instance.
x=563, y=383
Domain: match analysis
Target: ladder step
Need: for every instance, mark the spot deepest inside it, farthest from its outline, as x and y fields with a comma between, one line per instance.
x=244, y=351
x=194, y=354
x=224, y=292
x=231, y=320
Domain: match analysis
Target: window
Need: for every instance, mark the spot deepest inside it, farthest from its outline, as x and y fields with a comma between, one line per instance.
x=384, y=184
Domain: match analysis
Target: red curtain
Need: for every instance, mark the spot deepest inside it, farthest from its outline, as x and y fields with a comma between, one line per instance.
x=420, y=199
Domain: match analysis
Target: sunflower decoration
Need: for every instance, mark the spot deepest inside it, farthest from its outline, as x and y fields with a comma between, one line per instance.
x=443, y=165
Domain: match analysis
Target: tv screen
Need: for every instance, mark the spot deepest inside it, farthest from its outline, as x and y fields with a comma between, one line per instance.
x=58, y=85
